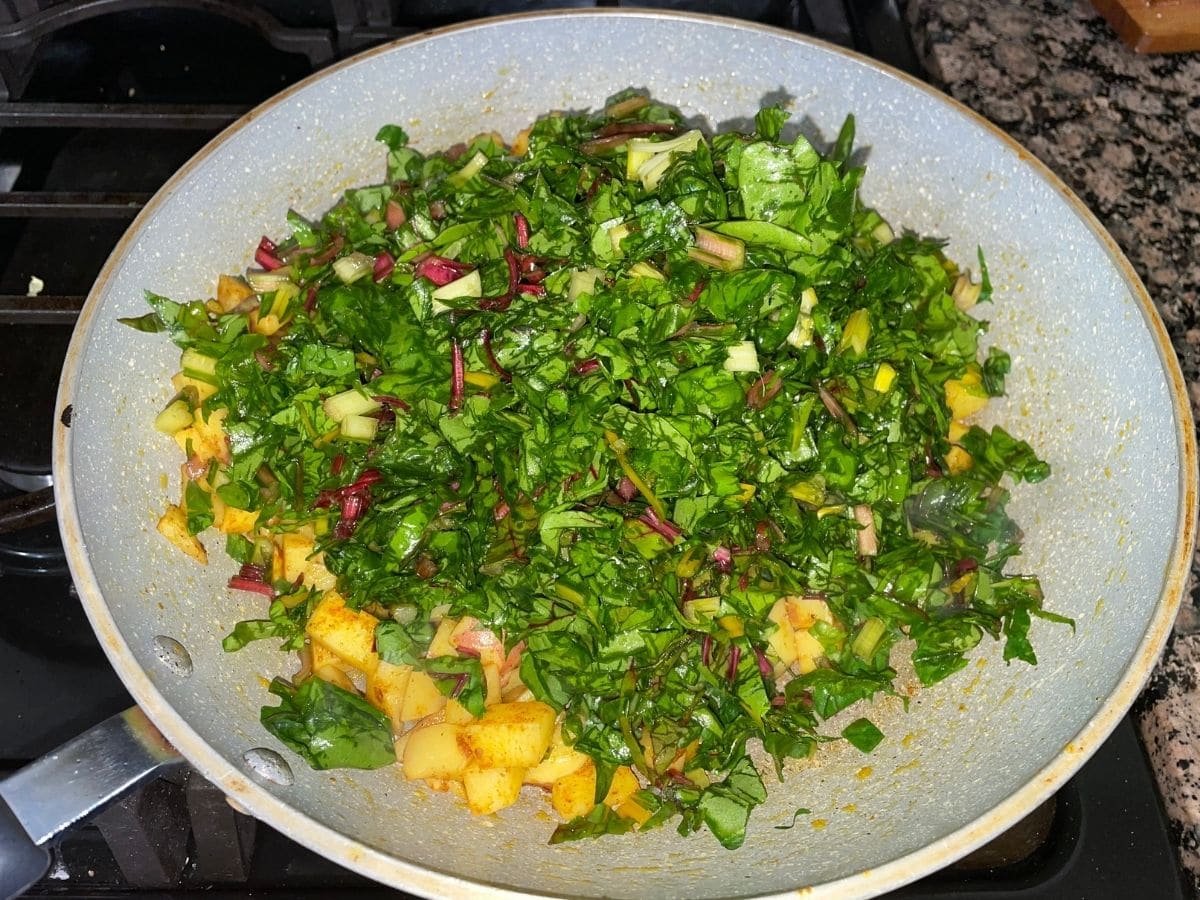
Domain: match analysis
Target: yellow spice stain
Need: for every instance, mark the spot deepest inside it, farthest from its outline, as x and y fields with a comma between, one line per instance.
x=163, y=482
x=907, y=740
x=850, y=807
x=864, y=773
x=818, y=824
x=911, y=764
x=1108, y=471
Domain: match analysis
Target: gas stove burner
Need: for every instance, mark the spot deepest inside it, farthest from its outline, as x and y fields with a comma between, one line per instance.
x=36, y=550
x=25, y=481
x=29, y=541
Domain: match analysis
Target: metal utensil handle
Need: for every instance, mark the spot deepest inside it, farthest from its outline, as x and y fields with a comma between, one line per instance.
x=68, y=784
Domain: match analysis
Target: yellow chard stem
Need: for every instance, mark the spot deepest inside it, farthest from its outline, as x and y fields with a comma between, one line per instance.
x=619, y=447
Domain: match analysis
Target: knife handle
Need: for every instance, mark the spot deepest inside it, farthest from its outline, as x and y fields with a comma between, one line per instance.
x=22, y=862
x=80, y=778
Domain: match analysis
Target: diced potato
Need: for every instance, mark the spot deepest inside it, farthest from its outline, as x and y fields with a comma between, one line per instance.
x=574, y=795
x=782, y=643
x=296, y=549
x=206, y=437
x=958, y=461
x=512, y=734
x=421, y=698
x=783, y=639
x=520, y=144
x=631, y=809
x=204, y=390
x=231, y=291
x=491, y=790
x=560, y=761
x=173, y=526
x=317, y=576
x=441, y=645
x=808, y=651
x=347, y=632
x=624, y=786
x=456, y=713
x=436, y=751
x=804, y=612
x=322, y=656
x=238, y=521
x=335, y=675
x=965, y=396
x=387, y=687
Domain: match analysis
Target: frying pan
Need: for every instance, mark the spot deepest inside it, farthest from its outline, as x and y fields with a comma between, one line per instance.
x=1096, y=389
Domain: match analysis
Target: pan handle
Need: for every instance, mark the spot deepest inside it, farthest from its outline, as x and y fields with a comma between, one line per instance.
x=79, y=778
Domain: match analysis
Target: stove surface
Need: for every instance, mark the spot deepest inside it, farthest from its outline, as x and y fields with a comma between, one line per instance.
x=77, y=93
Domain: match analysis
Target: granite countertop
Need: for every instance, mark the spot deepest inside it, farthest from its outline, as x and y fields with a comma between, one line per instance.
x=1123, y=131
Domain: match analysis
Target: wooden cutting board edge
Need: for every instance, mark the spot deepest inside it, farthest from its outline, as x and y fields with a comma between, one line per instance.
x=1154, y=27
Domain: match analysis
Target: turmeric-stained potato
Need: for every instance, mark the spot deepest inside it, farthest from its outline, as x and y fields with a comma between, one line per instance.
x=205, y=437
x=631, y=809
x=512, y=734
x=173, y=526
x=387, y=687
x=804, y=612
x=559, y=761
x=436, y=751
x=457, y=713
x=238, y=521
x=808, y=651
x=624, y=786
x=490, y=790
x=232, y=290
x=346, y=632
x=575, y=794
x=421, y=698
x=296, y=550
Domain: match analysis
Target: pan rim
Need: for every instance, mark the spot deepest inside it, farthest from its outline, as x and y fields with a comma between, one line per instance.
x=391, y=870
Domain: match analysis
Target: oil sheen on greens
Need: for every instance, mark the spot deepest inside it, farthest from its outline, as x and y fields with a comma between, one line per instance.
x=624, y=453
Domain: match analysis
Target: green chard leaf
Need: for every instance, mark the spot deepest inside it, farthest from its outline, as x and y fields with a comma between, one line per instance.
x=329, y=726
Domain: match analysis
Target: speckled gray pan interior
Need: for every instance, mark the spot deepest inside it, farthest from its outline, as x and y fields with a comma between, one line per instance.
x=1096, y=389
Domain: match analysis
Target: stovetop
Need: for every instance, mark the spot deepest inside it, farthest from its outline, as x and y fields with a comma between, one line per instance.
x=100, y=101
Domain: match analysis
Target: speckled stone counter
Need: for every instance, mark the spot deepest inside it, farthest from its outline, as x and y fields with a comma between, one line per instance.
x=1123, y=131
